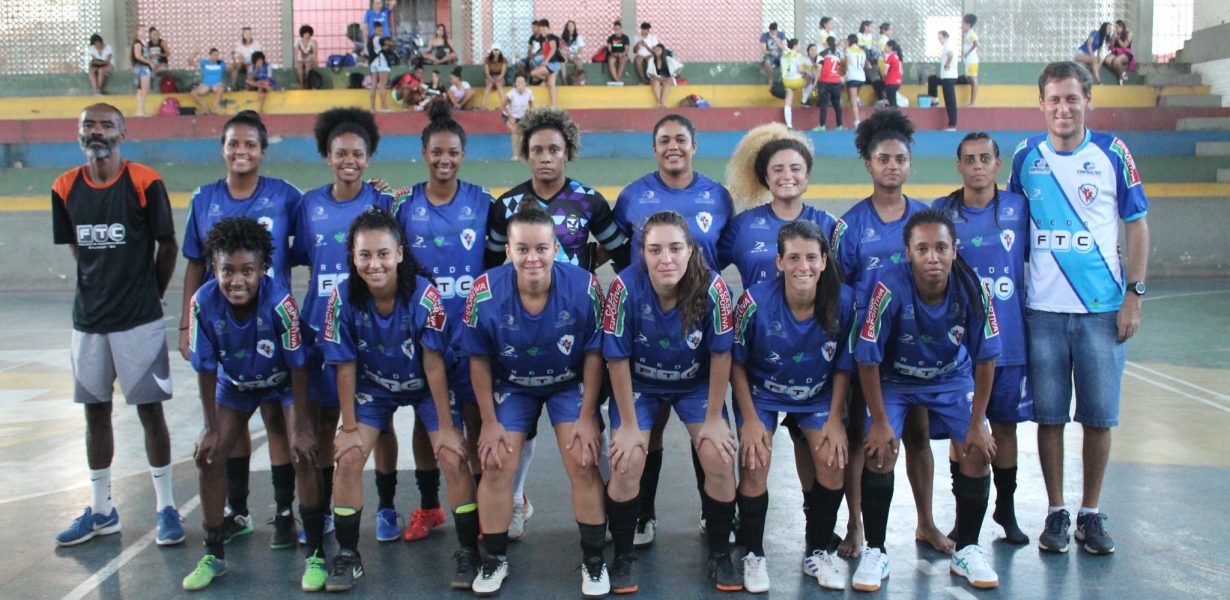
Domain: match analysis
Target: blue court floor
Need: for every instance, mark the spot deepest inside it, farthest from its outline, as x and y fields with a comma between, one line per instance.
x=1165, y=492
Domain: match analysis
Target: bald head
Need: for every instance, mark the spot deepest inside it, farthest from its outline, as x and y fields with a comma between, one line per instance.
x=100, y=129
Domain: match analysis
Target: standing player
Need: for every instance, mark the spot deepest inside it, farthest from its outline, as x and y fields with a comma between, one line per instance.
x=666, y=337
x=969, y=54
x=116, y=218
x=830, y=84
x=533, y=337
x=992, y=225
x=855, y=62
x=1080, y=183
x=272, y=203
x=930, y=339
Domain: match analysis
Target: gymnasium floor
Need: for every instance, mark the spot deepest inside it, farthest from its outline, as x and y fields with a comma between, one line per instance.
x=1164, y=492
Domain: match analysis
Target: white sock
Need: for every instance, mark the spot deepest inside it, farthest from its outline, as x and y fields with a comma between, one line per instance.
x=1054, y=509
x=523, y=470
x=162, y=487
x=789, y=119
x=1085, y=510
x=100, y=487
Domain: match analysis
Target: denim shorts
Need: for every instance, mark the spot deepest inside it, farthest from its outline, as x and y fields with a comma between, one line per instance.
x=1066, y=348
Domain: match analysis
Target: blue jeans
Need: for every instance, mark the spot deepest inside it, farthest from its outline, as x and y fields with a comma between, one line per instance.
x=1084, y=349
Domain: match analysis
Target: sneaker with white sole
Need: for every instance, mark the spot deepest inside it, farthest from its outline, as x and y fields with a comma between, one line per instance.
x=734, y=528
x=823, y=566
x=872, y=569
x=170, y=527
x=646, y=530
x=970, y=563
x=491, y=575
x=595, y=581
x=755, y=573
x=520, y=517
x=88, y=525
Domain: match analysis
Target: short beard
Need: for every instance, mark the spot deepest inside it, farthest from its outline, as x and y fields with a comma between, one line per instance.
x=98, y=153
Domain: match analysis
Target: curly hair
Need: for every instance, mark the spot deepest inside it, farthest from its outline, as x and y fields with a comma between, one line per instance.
x=538, y=119
x=441, y=115
x=336, y=122
x=741, y=178
x=378, y=219
x=691, y=296
x=239, y=234
x=768, y=150
x=249, y=118
x=884, y=124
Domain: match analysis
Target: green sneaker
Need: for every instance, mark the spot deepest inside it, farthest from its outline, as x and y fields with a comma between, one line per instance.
x=818, y=128
x=840, y=128
x=209, y=567
x=314, y=574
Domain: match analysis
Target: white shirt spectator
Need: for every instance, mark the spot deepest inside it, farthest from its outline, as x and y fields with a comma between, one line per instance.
x=650, y=40
x=949, y=60
x=106, y=54
x=519, y=102
x=246, y=51
x=459, y=92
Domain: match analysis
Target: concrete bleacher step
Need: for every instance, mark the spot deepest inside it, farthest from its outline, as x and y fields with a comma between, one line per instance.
x=1212, y=148
x=1223, y=176
x=1203, y=124
x=1146, y=69
x=1168, y=78
x=1190, y=100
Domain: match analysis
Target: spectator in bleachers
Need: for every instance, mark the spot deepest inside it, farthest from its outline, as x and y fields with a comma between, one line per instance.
x=646, y=40
x=533, y=48
x=435, y=87
x=792, y=75
x=513, y=105
x=886, y=33
x=1089, y=54
x=305, y=54
x=260, y=79
x=1120, y=59
x=661, y=69
x=809, y=67
x=102, y=62
x=856, y=75
x=946, y=79
x=460, y=94
x=494, y=67
x=969, y=54
x=617, y=53
x=571, y=43
x=827, y=24
x=211, y=81
x=771, y=44
x=142, y=69
x=373, y=40
x=159, y=51
x=241, y=58
x=866, y=35
x=892, y=72
x=408, y=91
x=830, y=84
x=553, y=58
x=379, y=12
x=380, y=59
x=439, y=51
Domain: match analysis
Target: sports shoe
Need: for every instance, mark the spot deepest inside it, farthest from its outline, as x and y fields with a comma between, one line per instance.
x=206, y=570
x=970, y=563
x=1091, y=532
x=823, y=566
x=422, y=521
x=1054, y=536
x=314, y=574
x=872, y=569
x=343, y=570
x=646, y=530
x=88, y=525
x=595, y=581
x=235, y=525
x=490, y=577
x=734, y=527
x=327, y=531
x=623, y=575
x=819, y=128
x=285, y=532
x=755, y=573
x=840, y=128
x=170, y=527
x=467, y=569
x=388, y=525
x=721, y=570
x=520, y=517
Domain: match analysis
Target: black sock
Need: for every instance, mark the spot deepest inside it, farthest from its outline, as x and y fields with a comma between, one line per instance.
x=237, y=483
x=346, y=528
x=313, y=528
x=215, y=541
x=808, y=528
x=752, y=511
x=283, y=487
x=593, y=540
x=822, y=517
x=326, y=490
x=478, y=478
x=386, y=488
x=428, y=481
x=467, y=527
x=622, y=518
x=877, y=496
x=717, y=528
x=700, y=478
x=971, y=493
x=497, y=544
x=649, y=484
x=1005, y=489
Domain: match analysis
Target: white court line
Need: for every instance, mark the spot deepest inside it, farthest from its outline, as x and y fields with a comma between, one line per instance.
x=1186, y=295
x=129, y=553
x=1178, y=391
x=960, y=593
x=928, y=568
x=1178, y=380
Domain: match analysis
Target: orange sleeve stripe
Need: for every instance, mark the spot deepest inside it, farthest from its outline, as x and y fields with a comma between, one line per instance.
x=142, y=177
x=63, y=185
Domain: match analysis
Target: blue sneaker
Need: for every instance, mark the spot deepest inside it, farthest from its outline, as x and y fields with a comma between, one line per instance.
x=88, y=525
x=170, y=527
x=328, y=530
x=388, y=525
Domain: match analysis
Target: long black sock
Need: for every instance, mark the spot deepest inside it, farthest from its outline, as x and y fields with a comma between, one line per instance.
x=237, y=483
x=465, y=517
x=622, y=519
x=326, y=490
x=971, y=493
x=386, y=488
x=1005, y=489
x=283, y=487
x=700, y=475
x=717, y=528
x=877, y=496
x=807, y=520
x=346, y=527
x=428, y=481
x=752, y=511
x=822, y=517
x=593, y=540
x=313, y=528
x=649, y=484
x=215, y=540
x=954, y=468
x=496, y=544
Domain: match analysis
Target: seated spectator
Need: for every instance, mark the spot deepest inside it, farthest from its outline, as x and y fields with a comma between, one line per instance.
x=460, y=94
x=809, y=68
x=571, y=45
x=1089, y=53
x=435, y=87
x=211, y=81
x=142, y=68
x=771, y=45
x=379, y=12
x=241, y=58
x=643, y=48
x=408, y=91
x=617, y=53
x=260, y=79
x=102, y=63
x=159, y=51
x=661, y=70
x=553, y=59
x=1120, y=59
x=494, y=67
x=439, y=52
x=533, y=49
x=514, y=105
x=305, y=54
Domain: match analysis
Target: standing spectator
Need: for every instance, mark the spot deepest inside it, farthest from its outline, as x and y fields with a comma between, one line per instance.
x=102, y=62
x=115, y=217
x=553, y=59
x=892, y=72
x=856, y=60
x=159, y=51
x=513, y=105
x=617, y=53
x=142, y=68
x=1120, y=59
x=643, y=47
x=947, y=78
x=380, y=57
x=305, y=54
x=211, y=81
x=661, y=70
x=792, y=75
x=830, y=84
x=494, y=67
x=886, y=33
x=969, y=55
x=1089, y=54
x=260, y=79
x=866, y=37
x=827, y=24
x=241, y=57
x=379, y=13
x=770, y=43
x=460, y=94
x=439, y=52
x=572, y=42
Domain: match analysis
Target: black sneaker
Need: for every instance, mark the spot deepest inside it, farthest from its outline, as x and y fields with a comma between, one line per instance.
x=285, y=531
x=1054, y=536
x=1091, y=533
x=723, y=574
x=623, y=575
x=343, y=570
x=235, y=525
x=467, y=569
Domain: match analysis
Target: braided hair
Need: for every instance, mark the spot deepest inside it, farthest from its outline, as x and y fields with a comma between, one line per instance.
x=968, y=282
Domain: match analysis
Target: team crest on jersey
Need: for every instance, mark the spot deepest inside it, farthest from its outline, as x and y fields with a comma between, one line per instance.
x=565, y=344
x=723, y=315
x=829, y=349
x=480, y=291
x=436, y=317
x=267, y=223
x=613, y=312
x=743, y=314
x=407, y=348
x=1087, y=193
x=1007, y=237
x=290, y=322
x=362, y=398
x=955, y=334
x=467, y=238
x=329, y=331
x=880, y=298
x=694, y=339
x=265, y=348
x=704, y=220
x=595, y=295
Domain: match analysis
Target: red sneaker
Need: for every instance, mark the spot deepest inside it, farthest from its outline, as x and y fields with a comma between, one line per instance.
x=422, y=522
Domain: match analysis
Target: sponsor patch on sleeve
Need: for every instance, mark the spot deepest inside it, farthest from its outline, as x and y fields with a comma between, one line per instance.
x=743, y=315
x=291, y=338
x=595, y=294
x=1130, y=174
x=880, y=299
x=480, y=291
x=436, y=317
x=723, y=313
x=613, y=313
x=329, y=331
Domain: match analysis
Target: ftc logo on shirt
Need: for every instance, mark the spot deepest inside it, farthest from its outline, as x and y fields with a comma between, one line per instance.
x=100, y=237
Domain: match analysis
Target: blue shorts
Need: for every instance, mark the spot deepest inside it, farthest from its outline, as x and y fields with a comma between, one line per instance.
x=554, y=67
x=518, y=411
x=948, y=412
x=537, y=60
x=322, y=385
x=689, y=405
x=460, y=388
x=377, y=410
x=1012, y=398
x=139, y=72
x=248, y=402
x=854, y=84
x=812, y=416
x=1084, y=347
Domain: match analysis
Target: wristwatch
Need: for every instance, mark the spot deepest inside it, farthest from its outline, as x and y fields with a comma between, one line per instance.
x=1136, y=287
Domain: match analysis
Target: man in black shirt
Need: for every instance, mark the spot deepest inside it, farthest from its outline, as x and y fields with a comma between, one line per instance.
x=617, y=53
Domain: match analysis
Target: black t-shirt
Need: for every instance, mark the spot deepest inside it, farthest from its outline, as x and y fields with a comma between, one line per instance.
x=618, y=43
x=114, y=226
x=552, y=44
x=535, y=43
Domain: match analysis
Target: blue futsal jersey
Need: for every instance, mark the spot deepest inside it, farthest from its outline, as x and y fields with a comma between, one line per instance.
x=923, y=348
x=789, y=363
x=448, y=240
x=994, y=242
x=750, y=242
x=662, y=359
x=253, y=356
x=385, y=348
x=864, y=245
x=273, y=204
x=704, y=204
x=542, y=353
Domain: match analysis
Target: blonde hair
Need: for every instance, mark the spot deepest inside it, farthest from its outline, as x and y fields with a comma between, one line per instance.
x=741, y=178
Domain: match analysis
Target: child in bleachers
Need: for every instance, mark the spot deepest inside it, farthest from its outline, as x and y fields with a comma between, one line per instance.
x=260, y=78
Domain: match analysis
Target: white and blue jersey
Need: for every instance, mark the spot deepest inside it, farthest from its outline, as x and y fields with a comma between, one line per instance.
x=864, y=245
x=1075, y=202
x=273, y=204
x=750, y=242
x=252, y=357
x=448, y=239
x=661, y=357
x=704, y=204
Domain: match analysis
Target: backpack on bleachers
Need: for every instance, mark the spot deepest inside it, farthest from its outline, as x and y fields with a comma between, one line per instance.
x=337, y=62
x=314, y=80
x=169, y=108
x=166, y=85
x=356, y=80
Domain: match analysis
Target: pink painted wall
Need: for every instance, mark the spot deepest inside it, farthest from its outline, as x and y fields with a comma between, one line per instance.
x=703, y=30
x=189, y=27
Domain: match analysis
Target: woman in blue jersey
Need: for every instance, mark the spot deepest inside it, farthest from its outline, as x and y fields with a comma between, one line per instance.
x=532, y=334
x=791, y=355
x=272, y=202
x=666, y=338
x=386, y=331
x=930, y=339
x=866, y=241
x=706, y=207
x=992, y=229
x=245, y=343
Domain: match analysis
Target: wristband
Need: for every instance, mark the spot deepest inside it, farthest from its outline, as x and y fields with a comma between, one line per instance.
x=343, y=429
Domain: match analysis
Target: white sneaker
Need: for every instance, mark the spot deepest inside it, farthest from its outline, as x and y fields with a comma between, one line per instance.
x=491, y=576
x=595, y=582
x=755, y=573
x=823, y=566
x=645, y=532
x=970, y=563
x=872, y=569
x=521, y=515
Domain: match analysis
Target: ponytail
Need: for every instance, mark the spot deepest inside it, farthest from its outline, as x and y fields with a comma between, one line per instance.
x=828, y=288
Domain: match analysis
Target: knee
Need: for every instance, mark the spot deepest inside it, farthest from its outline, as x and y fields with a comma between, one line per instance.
x=580, y=474
x=351, y=464
x=451, y=463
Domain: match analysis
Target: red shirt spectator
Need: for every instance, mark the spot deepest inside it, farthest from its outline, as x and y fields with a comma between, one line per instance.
x=892, y=75
x=830, y=68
